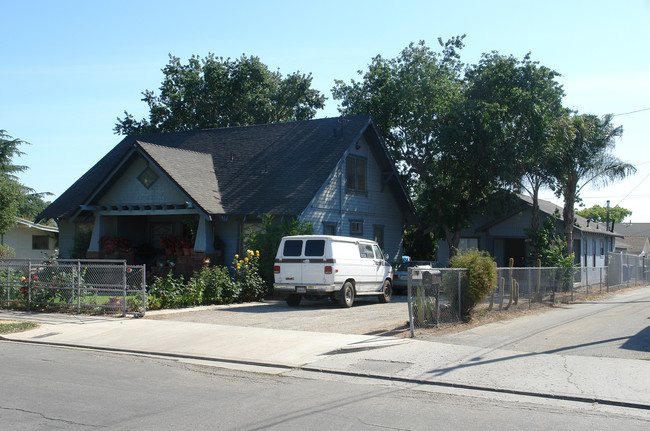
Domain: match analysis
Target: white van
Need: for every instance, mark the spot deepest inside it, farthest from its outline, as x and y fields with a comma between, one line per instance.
x=335, y=266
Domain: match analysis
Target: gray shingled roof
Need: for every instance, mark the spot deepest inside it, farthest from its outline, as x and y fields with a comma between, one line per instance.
x=633, y=229
x=550, y=208
x=265, y=169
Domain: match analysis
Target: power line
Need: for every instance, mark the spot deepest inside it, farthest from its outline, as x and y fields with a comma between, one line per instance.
x=631, y=112
x=645, y=178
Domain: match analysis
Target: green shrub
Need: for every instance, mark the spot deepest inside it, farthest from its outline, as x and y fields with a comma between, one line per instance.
x=267, y=240
x=476, y=282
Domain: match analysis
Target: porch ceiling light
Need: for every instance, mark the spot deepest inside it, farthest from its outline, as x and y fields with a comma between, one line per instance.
x=147, y=177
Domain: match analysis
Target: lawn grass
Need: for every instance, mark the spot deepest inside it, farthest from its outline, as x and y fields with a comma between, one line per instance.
x=7, y=327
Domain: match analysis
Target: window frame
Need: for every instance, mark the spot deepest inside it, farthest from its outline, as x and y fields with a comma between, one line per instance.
x=355, y=232
x=41, y=238
x=353, y=161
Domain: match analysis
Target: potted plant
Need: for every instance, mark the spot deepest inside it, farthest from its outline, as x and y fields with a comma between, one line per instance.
x=186, y=245
x=169, y=243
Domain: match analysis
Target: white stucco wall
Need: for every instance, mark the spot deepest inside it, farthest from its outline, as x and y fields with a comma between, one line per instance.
x=19, y=238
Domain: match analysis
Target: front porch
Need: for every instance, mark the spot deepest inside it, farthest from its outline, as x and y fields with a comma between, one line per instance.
x=182, y=243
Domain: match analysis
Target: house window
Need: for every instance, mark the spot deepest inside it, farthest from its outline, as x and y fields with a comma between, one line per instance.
x=467, y=244
x=329, y=228
x=593, y=243
x=40, y=242
x=602, y=247
x=147, y=177
x=356, y=227
x=355, y=174
x=379, y=235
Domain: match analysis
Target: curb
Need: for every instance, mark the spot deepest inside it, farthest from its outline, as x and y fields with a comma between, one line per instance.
x=589, y=400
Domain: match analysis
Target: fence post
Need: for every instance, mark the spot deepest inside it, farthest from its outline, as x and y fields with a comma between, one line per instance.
x=409, y=292
x=587, y=279
x=124, y=289
x=459, y=297
x=530, y=287
x=29, y=285
x=78, y=283
x=600, y=284
x=144, y=289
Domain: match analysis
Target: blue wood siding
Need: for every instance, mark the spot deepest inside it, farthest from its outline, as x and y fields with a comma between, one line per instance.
x=128, y=190
x=377, y=207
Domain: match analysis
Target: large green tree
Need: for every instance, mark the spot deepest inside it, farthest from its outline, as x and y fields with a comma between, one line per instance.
x=459, y=134
x=412, y=99
x=10, y=190
x=600, y=214
x=16, y=200
x=583, y=156
x=526, y=100
x=216, y=92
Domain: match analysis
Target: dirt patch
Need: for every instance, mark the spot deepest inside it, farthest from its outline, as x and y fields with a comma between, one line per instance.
x=482, y=315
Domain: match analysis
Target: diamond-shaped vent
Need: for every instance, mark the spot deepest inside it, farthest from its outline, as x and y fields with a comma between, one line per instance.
x=147, y=177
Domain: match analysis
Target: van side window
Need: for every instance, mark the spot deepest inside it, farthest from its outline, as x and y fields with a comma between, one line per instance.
x=315, y=247
x=378, y=254
x=292, y=247
x=365, y=251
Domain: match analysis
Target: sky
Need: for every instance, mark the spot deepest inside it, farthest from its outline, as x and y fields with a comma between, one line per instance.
x=70, y=68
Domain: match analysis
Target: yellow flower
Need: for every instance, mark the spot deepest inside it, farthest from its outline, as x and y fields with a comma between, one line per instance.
x=257, y=253
x=241, y=261
x=249, y=252
x=236, y=256
x=238, y=266
x=245, y=259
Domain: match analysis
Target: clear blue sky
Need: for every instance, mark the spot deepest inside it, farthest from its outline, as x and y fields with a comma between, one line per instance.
x=69, y=68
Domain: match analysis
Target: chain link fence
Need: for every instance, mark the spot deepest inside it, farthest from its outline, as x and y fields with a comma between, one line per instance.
x=96, y=286
x=435, y=295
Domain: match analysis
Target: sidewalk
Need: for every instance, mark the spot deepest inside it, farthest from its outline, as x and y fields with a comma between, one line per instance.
x=622, y=382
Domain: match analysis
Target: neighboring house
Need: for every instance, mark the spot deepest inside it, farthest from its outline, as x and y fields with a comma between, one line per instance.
x=504, y=237
x=31, y=241
x=636, y=238
x=335, y=173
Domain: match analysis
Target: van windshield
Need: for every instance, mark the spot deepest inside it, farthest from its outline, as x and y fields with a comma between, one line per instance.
x=292, y=247
x=315, y=247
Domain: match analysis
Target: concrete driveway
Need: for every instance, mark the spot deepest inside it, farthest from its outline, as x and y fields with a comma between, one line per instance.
x=367, y=316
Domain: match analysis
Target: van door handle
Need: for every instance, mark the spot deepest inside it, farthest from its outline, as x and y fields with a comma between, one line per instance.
x=305, y=261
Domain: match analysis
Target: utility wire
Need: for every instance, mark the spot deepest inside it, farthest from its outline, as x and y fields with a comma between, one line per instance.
x=631, y=112
x=627, y=195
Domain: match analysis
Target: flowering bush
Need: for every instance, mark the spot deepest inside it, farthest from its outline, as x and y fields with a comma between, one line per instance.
x=116, y=245
x=169, y=242
x=185, y=242
x=251, y=285
x=211, y=285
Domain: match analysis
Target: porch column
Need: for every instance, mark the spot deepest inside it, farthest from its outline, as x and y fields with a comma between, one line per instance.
x=99, y=230
x=204, y=237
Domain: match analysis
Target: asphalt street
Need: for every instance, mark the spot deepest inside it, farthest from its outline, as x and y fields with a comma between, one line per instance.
x=49, y=388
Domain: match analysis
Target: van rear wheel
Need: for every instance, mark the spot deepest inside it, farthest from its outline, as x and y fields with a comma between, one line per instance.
x=347, y=295
x=293, y=300
x=386, y=292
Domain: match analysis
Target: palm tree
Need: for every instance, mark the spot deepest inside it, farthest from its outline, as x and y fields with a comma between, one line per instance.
x=583, y=156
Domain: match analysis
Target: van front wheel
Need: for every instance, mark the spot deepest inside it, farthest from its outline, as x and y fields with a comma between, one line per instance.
x=347, y=295
x=387, y=292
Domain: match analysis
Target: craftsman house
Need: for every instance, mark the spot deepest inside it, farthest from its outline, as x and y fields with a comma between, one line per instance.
x=204, y=189
x=504, y=236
